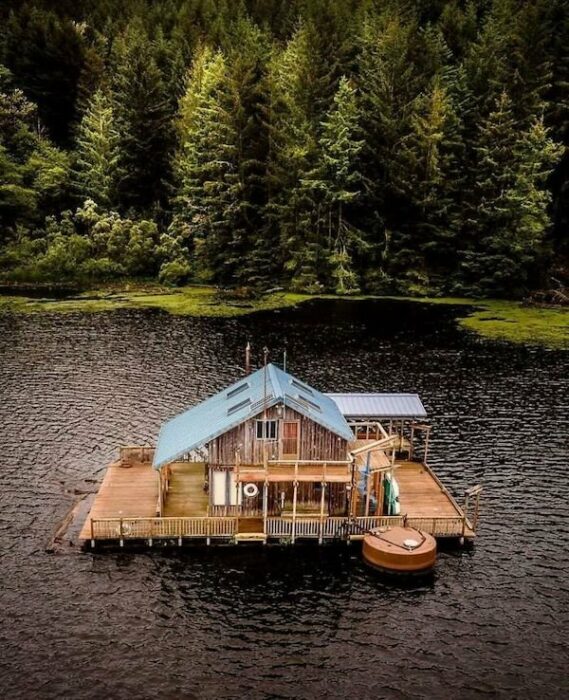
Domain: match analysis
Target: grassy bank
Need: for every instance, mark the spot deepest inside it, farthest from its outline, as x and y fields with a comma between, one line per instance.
x=495, y=319
x=186, y=301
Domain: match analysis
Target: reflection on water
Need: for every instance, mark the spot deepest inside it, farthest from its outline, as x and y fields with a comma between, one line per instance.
x=280, y=622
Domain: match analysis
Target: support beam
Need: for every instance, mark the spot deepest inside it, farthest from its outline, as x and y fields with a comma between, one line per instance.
x=265, y=506
x=368, y=487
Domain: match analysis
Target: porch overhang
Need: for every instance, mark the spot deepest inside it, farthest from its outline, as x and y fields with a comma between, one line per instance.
x=274, y=473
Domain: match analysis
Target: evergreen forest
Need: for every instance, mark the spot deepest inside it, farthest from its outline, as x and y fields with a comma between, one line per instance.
x=373, y=146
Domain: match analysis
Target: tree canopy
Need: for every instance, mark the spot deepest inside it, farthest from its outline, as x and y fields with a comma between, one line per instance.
x=392, y=146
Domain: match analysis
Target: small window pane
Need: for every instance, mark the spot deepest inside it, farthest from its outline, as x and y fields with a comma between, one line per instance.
x=266, y=430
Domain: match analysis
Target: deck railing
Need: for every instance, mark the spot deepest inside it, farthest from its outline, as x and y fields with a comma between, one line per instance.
x=326, y=528
x=133, y=453
x=149, y=528
x=439, y=527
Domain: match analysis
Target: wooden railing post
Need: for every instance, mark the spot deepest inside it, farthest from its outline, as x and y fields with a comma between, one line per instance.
x=294, y=497
x=322, y=502
x=265, y=505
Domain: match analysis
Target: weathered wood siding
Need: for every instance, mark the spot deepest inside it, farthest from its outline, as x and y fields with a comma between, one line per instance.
x=315, y=442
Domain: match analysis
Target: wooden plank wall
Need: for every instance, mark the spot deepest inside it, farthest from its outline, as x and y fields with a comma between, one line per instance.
x=316, y=442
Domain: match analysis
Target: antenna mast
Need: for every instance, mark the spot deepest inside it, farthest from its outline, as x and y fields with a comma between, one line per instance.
x=265, y=356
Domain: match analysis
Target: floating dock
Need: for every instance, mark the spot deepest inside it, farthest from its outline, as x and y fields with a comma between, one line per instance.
x=126, y=508
x=271, y=459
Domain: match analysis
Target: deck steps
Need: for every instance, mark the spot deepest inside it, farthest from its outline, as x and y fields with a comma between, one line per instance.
x=250, y=537
x=186, y=495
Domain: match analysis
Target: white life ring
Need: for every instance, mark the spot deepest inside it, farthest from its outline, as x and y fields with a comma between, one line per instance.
x=250, y=490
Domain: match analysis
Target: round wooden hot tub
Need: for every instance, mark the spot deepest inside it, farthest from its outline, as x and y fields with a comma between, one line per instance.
x=400, y=550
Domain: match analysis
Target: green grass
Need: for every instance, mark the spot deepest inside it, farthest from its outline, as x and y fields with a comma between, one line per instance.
x=187, y=301
x=517, y=323
x=499, y=320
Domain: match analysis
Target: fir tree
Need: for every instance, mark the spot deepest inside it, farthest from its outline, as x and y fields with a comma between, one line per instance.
x=144, y=118
x=509, y=217
x=98, y=153
x=209, y=189
x=339, y=182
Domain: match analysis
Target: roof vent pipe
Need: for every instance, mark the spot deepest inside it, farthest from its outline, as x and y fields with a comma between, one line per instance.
x=248, y=358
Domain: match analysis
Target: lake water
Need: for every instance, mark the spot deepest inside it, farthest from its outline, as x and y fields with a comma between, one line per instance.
x=268, y=622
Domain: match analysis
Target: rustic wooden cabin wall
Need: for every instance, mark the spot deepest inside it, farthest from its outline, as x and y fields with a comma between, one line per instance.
x=309, y=494
x=315, y=441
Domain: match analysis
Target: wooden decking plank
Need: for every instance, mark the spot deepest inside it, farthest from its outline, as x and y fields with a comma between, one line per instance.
x=133, y=492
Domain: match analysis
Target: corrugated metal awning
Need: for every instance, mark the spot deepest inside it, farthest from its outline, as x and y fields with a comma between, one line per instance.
x=379, y=405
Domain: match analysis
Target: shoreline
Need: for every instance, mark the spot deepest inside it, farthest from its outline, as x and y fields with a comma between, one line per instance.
x=489, y=318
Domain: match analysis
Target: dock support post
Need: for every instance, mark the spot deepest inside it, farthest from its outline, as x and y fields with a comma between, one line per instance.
x=179, y=541
x=322, y=502
x=150, y=541
x=208, y=541
x=92, y=544
x=294, y=497
x=121, y=540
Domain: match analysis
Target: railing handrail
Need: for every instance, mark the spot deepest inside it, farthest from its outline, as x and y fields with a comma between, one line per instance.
x=329, y=527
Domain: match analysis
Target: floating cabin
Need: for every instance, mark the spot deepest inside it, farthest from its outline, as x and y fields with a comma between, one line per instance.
x=271, y=459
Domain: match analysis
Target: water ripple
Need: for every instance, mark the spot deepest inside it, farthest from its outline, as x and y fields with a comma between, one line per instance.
x=280, y=623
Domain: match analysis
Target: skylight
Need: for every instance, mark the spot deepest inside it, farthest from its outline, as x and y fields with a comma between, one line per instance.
x=310, y=403
x=238, y=406
x=237, y=390
x=301, y=386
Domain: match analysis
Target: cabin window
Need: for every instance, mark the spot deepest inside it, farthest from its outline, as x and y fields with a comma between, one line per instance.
x=267, y=429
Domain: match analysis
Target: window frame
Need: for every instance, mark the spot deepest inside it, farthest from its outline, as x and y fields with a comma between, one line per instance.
x=265, y=432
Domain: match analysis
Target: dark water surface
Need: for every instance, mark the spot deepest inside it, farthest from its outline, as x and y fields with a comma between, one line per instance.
x=285, y=623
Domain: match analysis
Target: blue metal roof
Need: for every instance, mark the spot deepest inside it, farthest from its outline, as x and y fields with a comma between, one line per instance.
x=379, y=405
x=246, y=398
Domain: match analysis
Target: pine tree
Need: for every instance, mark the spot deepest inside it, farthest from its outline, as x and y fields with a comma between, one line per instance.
x=509, y=217
x=340, y=183
x=431, y=179
x=97, y=170
x=294, y=204
x=247, y=58
x=208, y=190
x=557, y=116
x=144, y=118
x=389, y=83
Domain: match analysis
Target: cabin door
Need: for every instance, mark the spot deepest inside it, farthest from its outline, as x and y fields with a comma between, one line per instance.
x=291, y=434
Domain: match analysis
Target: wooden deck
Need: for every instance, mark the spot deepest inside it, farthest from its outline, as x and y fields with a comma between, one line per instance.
x=132, y=492
x=128, y=496
x=124, y=492
x=421, y=494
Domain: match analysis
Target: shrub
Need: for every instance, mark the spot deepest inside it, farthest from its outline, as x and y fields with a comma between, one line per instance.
x=175, y=272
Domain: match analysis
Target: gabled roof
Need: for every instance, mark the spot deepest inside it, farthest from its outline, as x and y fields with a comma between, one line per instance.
x=379, y=405
x=245, y=399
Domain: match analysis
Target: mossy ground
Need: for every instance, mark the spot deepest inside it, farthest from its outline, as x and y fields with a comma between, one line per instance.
x=496, y=319
x=512, y=321
x=186, y=301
